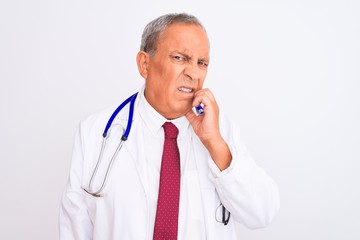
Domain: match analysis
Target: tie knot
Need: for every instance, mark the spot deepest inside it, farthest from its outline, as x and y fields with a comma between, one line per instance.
x=171, y=130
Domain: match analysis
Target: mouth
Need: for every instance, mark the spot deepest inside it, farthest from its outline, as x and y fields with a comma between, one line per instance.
x=186, y=90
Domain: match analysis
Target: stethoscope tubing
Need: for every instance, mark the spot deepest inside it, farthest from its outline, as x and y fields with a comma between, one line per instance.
x=124, y=137
x=130, y=99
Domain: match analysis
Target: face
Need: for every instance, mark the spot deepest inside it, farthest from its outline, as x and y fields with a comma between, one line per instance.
x=177, y=70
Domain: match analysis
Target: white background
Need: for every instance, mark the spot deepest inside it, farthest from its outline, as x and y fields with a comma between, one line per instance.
x=288, y=71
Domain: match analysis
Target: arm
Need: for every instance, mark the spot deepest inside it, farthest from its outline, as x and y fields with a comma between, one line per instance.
x=207, y=129
x=74, y=221
x=243, y=187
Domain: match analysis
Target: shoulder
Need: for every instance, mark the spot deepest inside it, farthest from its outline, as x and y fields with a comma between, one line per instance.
x=99, y=117
x=98, y=120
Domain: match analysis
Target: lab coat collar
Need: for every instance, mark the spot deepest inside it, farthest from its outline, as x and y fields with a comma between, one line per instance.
x=135, y=142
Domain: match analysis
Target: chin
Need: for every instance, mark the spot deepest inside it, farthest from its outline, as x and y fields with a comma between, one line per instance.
x=183, y=111
x=176, y=113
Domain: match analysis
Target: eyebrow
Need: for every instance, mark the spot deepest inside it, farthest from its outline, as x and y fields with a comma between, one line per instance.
x=183, y=53
x=205, y=59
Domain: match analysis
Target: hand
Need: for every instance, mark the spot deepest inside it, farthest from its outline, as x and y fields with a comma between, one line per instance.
x=206, y=127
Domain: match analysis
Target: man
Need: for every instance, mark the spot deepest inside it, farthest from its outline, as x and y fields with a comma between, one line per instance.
x=218, y=183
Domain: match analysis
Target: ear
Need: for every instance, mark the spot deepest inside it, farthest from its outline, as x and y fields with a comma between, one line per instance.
x=142, y=60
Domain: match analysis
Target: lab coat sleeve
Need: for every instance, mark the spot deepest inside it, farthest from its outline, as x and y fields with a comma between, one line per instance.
x=74, y=221
x=245, y=189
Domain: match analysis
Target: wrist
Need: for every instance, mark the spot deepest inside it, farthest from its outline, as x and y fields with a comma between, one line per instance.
x=219, y=152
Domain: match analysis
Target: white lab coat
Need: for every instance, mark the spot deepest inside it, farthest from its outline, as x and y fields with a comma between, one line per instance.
x=123, y=213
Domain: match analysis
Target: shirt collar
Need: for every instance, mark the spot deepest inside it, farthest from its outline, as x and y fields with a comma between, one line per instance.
x=154, y=120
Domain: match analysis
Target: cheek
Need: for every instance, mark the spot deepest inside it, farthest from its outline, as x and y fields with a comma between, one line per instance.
x=201, y=82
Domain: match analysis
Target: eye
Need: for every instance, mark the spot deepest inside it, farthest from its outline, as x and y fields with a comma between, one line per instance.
x=203, y=64
x=179, y=58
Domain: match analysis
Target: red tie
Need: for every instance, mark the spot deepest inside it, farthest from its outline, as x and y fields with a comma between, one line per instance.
x=166, y=223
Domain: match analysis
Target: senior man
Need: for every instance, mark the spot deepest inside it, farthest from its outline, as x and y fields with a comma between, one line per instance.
x=178, y=175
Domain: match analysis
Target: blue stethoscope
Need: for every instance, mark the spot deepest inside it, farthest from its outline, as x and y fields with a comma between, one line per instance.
x=96, y=193
x=131, y=100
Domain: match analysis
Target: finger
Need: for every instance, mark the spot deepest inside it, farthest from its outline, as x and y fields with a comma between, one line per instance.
x=191, y=116
x=205, y=97
x=205, y=92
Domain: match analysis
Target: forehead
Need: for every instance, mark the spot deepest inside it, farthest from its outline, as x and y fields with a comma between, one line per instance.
x=184, y=36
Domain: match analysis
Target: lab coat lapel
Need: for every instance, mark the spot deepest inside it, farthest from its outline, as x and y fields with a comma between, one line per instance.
x=207, y=188
x=135, y=147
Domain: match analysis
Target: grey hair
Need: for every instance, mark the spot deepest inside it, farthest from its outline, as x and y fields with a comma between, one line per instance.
x=153, y=29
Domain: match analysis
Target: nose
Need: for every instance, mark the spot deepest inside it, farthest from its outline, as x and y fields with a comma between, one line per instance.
x=192, y=71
